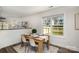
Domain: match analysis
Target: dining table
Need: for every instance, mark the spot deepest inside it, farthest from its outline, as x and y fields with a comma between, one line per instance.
x=39, y=41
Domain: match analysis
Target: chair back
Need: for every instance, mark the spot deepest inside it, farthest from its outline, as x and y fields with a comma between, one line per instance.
x=24, y=39
x=32, y=43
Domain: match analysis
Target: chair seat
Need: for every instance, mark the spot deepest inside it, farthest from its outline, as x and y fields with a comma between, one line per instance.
x=32, y=43
x=33, y=46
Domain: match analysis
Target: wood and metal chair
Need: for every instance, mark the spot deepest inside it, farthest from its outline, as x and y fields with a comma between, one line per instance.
x=33, y=46
x=24, y=42
x=47, y=39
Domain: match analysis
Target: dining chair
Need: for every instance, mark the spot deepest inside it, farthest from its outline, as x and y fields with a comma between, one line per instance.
x=24, y=42
x=46, y=37
x=33, y=46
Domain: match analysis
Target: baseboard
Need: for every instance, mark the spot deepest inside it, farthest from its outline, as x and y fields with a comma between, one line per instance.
x=16, y=44
x=64, y=48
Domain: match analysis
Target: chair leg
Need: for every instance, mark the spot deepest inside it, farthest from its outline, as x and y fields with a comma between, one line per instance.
x=25, y=49
x=48, y=44
x=36, y=49
x=28, y=49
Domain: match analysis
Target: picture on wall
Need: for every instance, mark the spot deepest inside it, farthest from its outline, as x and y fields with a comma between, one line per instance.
x=77, y=21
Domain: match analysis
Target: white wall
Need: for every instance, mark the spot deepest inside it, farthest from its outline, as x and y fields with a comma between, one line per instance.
x=71, y=36
x=35, y=22
x=10, y=37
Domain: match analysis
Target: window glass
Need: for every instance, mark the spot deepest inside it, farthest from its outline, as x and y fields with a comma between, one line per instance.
x=53, y=25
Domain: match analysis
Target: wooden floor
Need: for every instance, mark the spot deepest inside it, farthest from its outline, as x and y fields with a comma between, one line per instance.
x=8, y=50
x=11, y=49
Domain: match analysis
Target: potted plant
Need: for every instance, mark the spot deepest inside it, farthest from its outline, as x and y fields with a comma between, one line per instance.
x=34, y=31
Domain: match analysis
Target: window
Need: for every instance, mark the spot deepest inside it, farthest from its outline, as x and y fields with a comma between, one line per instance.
x=47, y=25
x=53, y=25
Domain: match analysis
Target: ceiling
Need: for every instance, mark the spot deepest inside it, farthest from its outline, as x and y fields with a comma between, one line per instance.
x=24, y=10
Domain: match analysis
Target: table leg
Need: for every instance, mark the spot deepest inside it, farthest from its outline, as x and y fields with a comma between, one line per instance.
x=40, y=47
